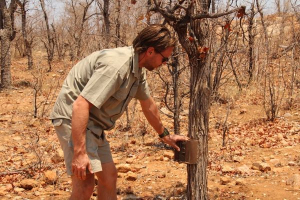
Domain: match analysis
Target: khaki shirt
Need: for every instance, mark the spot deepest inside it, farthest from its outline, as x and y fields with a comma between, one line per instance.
x=108, y=79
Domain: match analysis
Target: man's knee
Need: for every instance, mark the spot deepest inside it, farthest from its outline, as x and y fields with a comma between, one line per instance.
x=108, y=177
x=83, y=188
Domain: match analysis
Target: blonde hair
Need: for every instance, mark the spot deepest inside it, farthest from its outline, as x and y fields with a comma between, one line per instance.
x=156, y=36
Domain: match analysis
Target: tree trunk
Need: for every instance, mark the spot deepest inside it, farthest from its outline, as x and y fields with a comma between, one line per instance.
x=7, y=34
x=106, y=22
x=251, y=43
x=175, y=76
x=198, y=129
x=5, y=58
x=49, y=45
x=198, y=113
x=28, y=49
x=118, y=25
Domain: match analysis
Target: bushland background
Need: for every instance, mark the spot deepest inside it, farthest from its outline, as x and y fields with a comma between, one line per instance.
x=254, y=116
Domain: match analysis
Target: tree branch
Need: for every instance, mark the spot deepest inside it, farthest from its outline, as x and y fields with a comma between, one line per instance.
x=217, y=15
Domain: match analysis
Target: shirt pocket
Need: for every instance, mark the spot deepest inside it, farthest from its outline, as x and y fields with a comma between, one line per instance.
x=120, y=95
x=114, y=101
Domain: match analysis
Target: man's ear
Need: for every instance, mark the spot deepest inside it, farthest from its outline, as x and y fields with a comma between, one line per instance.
x=150, y=51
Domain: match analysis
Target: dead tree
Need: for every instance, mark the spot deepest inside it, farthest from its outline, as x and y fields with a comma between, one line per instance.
x=27, y=41
x=7, y=34
x=193, y=21
x=105, y=12
x=118, y=24
x=251, y=37
x=59, y=40
x=49, y=43
x=79, y=12
x=175, y=91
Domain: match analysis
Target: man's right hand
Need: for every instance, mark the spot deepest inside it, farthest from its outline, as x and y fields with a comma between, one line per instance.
x=80, y=163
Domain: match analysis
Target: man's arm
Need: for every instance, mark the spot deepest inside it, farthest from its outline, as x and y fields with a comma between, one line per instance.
x=80, y=116
x=151, y=112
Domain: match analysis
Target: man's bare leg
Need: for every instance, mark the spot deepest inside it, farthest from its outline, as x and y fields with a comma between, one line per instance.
x=107, y=182
x=82, y=189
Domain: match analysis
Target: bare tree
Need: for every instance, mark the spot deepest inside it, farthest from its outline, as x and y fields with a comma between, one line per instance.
x=193, y=21
x=7, y=34
x=49, y=43
x=79, y=13
x=175, y=89
x=28, y=41
x=59, y=36
x=106, y=27
x=117, y=21
x=251, y=37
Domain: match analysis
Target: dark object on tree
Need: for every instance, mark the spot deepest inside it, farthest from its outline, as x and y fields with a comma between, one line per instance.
x=188, y=152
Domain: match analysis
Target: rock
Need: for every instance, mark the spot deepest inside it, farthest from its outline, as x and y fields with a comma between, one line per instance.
x=294, y=181
x=17, y=138
x=3, y=148
x=291, y=163
x=243, y=111
x=263, y=167
x=159, y=158
x=50, y=177
x=137, y=168
x=280, y=136
x=5, y=189
x=237, y=158
x=169, y=154
x=129, y=160
x=286, y=115
x=175, y=198
x=166, y=159
x=243, y=169
x=28, y=184
x=8, y=187
x=227, y=169
x=179, y=191
x=123, y=168
x=130, y=196
x=225, y=180
x=131, y=176
x=58, y=156
x=17, y=189
x=240, y=182
x=276, y=162
x=161, y=175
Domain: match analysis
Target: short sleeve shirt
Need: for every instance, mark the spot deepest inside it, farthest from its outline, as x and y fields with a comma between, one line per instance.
x=108, y=79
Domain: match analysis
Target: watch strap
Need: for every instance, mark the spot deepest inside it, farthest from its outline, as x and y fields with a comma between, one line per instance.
x=164, y=134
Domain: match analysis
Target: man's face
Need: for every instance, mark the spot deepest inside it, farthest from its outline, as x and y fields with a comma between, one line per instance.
x=156, y=59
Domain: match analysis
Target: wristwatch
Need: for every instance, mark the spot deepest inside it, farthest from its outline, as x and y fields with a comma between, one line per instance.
x=165, y=133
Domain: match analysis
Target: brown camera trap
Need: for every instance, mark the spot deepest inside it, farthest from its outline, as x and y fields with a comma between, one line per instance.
x=188, y=152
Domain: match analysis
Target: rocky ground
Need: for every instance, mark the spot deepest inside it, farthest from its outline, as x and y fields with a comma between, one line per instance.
x=260, y=158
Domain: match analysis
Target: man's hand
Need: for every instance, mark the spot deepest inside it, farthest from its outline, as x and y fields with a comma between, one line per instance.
x=172, y=139
x=80, y=163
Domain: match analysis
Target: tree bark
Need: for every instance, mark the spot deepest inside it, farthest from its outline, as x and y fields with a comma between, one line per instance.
x=28, y=44
x=49, y=44
x=198, y=112
x=5, y=58
x=118, y=25
x=7, y=34
x=251, y=43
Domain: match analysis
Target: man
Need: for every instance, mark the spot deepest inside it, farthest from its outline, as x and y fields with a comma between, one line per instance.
x=94, y=95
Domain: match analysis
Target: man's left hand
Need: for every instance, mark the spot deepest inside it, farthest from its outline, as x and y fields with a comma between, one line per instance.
x=172, y=139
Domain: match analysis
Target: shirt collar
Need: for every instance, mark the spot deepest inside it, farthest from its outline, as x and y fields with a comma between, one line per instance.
x=135, y=64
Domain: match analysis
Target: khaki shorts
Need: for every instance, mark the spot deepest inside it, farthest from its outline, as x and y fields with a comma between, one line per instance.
x=97, y=147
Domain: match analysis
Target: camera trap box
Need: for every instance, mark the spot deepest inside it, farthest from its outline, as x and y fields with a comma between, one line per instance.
x=188, y=152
